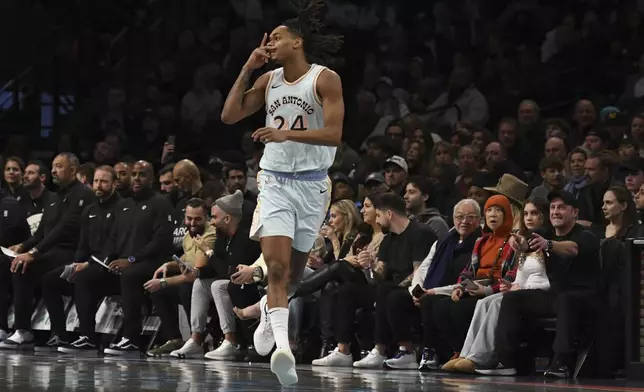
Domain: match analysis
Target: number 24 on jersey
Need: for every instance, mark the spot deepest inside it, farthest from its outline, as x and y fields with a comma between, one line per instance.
x=299, y=123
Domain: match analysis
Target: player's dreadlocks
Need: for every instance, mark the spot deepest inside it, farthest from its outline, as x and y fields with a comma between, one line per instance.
x=308, y=25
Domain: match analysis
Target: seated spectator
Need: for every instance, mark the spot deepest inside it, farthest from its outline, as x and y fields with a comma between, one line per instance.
x=170, y=291
x=236, y=178
x=516, y=191
x=342, y=228
x=620, y=213
x=141, y=240
x=415, y=157
x=578, y=179
x=477, y=190
x=214, y=277
x=85, y=174
x=496, y=161
x=418, y=201
x=401, y=251
x=478, y=349
x=13, y=229
x=166, y=182
x=468, y=162
x=396, y=172
x=634, y=170
x=446, y=319
x=375, y=183
x=95, y=225
x=555, y=147
x=53, y=244
x=342, y=187
x=445, y=261
x=573, y=271
x=628, y=149
x=552, y=173
x=187, y=179
x=598, y=173
x=124, y=181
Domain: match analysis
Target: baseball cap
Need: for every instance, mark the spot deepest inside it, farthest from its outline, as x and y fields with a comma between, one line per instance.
x=398, y=161
x=339, y=177
x=567, y=197
x=609, y=113
x=375, y=177
x=600, y=133
x=632, y=165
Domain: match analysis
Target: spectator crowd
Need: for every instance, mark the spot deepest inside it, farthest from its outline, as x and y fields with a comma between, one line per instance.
x=492, y=167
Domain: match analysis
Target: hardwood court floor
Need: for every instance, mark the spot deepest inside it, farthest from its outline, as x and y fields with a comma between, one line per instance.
x=54, y=372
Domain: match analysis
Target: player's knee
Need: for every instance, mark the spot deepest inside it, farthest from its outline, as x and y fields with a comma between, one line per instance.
x=277, y=271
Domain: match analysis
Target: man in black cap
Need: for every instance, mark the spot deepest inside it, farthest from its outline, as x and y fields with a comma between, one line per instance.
x=342, y=187
x=480, y=181
x=573, y=267
x=596, y=140
x=634, y=171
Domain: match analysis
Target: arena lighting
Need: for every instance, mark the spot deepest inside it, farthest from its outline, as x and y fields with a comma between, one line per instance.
x=634, y=342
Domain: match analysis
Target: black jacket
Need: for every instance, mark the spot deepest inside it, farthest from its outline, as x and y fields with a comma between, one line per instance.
x=96, y=225
x=142, y=228
x=37, y=206
x=13, y=225
x=230, y=252
x=60, y=224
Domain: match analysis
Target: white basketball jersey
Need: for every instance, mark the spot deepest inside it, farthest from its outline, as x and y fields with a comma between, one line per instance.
x=295, y=106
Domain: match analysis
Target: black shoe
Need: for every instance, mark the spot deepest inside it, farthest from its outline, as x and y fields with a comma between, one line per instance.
x=52, y=345
x=498, y=370
x=429, y=360
x=82, y=344
x=252, y=356
x=326, y=348
x=124, y=347
x=559, y=367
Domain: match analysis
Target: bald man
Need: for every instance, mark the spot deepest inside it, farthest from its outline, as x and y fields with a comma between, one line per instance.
x=556, y=147
x=528, y=112
x=187, y=180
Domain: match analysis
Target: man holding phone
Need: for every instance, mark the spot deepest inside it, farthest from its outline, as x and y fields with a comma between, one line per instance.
x=168, y=291
x=231, y=248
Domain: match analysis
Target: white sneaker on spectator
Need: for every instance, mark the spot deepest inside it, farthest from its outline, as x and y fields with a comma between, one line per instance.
x=52, y=345
x=403, y=360
x=498, y=370
x=124, y=347
x=335, y=358
x=283, y=366
x=82, y=344
x=19, y=340
x=225, y=351
x=373, y=360
x=189, y=350
x=263, y=338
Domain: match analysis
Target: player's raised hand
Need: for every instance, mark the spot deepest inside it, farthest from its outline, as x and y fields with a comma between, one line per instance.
x=260, y=55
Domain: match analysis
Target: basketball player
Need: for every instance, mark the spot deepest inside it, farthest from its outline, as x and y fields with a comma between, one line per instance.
x=304, y=114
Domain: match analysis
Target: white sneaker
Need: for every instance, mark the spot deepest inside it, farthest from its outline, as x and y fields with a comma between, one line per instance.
x=225, y=351
x=189, y=350
x=335, y=358
x=283, y=366
x=373, y=360
x=263, y=338
x=403, y=360
x=19, y=340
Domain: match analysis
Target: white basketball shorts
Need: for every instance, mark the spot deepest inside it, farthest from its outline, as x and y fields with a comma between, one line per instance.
x=292, y=205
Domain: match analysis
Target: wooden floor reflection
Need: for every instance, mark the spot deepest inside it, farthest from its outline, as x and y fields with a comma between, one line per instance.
x=53, y=372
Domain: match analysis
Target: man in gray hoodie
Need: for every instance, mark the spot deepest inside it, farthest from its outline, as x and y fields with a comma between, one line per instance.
x=417, y=202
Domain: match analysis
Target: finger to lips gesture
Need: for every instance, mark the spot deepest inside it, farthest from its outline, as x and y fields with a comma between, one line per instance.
x=260, y=55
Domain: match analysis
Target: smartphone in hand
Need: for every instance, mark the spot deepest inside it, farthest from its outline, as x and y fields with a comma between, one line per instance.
x=418, y=291
x=469, y=285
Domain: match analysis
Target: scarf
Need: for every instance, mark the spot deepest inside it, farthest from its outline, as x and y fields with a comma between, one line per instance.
x=447, y=250
x=575, y=184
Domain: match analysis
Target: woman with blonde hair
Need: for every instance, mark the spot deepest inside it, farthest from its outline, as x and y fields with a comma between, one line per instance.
x=342, y=228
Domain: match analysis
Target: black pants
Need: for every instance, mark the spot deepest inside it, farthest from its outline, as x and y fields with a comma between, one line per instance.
x=431, y=332
x=166, y=303
x=453, y=319
x=26, y=285
x=402, y=315
x=53, y=289
x=134, y=296
x=353, y=296
x=90, y=286
x=341, y=272
x=241, y=298
x=6, y=292
x=521, y=306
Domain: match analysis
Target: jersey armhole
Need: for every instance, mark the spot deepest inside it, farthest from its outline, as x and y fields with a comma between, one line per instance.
x=268, y=85
x=316, y=94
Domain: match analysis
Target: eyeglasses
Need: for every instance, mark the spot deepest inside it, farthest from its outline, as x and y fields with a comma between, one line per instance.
x=468, y=217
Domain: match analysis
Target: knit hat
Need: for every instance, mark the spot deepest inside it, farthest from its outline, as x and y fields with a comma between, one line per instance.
x=231, y=204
